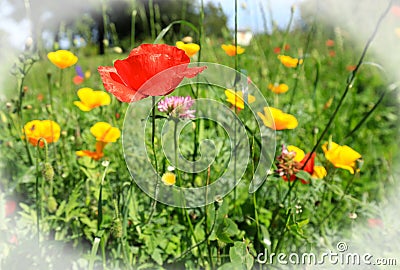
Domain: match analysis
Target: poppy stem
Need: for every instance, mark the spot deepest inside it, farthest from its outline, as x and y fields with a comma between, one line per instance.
x=39, y=200
x=153, y=130
x=185, y=212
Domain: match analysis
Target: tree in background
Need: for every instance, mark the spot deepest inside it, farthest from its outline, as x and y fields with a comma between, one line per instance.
x=110, y=22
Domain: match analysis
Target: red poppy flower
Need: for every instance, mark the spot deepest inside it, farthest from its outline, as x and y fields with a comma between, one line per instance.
x=166, y=65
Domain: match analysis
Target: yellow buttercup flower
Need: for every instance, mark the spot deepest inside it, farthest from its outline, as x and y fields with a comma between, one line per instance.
x=288, y=61
x=237, y=98
x=341, y=156
x=277, y=120
x=231, y=49
x=319, y=172
x=104, y=132
x=168, y=178
x=189, y=48
x=47, y=129
x=90, y=99
x=278, y=88
x=62, y=58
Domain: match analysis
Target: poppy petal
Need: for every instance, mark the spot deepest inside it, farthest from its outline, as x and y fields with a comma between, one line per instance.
x=114, y=85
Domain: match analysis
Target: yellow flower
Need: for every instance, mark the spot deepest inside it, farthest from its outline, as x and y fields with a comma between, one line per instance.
x=91, y=99
x=104, y=132
x=278, y=88
x=299, y=153
x=319, y=172
x=189, y=48
x=47, y=129
x=341, y=156
x=62, y=58
x=277, y=120
x=237, y=98
x=288, y=61
x=231, y=49
x=168, y=178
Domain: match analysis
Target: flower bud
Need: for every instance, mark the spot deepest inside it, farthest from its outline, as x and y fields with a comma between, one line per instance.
x=52, y=204
x=48, y=172
x=116, y=228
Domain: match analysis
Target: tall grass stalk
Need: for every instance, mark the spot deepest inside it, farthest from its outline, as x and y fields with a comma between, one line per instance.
x=152, y=23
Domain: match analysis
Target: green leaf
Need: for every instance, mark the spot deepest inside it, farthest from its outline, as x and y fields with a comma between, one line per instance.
x=239, y=255
x=166, y=29
x=156, y=256
x=303, y=175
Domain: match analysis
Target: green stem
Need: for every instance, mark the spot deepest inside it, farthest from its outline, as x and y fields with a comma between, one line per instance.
x=100, y=199
x=95, y=247
x=153, y=130
x=38, y=199
x=351, y=133
x=340, y=200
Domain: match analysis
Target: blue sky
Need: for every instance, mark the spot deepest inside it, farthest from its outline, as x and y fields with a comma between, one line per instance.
x=250, y=15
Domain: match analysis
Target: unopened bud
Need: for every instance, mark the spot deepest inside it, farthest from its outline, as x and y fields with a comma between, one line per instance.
x=48, y=172
x=52, y=204
x=116, y=228
x=187, y=39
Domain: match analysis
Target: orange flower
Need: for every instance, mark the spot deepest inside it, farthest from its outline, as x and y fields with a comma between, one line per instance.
x=341, y=156
x=62, y=58
x=237, y=98
x=90, y=99
x=96, y=155
x=288, y=61
x=189, y=48
x=231, y=49
x=104, y=133
x=278, y=88
x=277, y=120
x=46, y=129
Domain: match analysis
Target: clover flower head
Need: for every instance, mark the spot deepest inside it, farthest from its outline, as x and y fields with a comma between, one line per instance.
x=177, y=107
